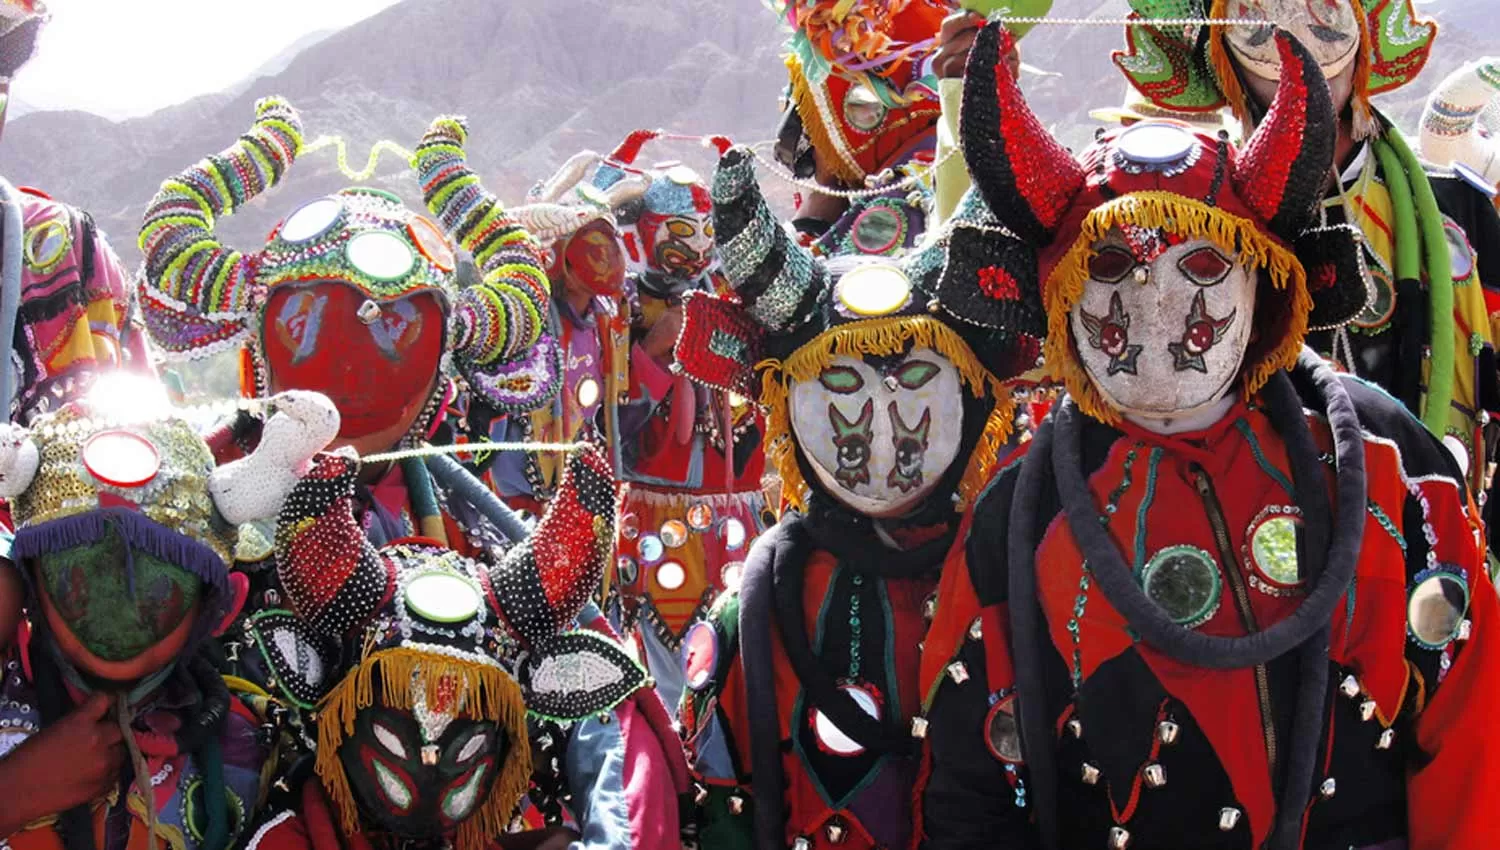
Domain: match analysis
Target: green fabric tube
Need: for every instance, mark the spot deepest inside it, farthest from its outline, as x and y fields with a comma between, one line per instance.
x=1439, y=267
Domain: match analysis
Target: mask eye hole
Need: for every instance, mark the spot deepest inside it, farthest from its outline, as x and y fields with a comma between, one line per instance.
x=1204, y=266
x=390, y=740
x=841, y=380
x=1111, y=265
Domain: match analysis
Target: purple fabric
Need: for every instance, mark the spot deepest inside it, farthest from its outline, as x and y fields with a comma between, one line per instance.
x=884, y=806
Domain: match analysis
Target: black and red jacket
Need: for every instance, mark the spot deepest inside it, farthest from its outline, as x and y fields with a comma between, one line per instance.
x=1357, y=713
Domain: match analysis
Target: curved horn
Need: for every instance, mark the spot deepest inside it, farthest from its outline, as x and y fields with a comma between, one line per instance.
x=513, y=292
x=331, y=574
x=998, y=129
x=544, y=581
x=1282, y=169
x=185, y=261
x=777, y=279
x=549, y=222
x=1451, y=118
x=568, y=175
x=627, y=190
x=19, y=459
x=254, y=487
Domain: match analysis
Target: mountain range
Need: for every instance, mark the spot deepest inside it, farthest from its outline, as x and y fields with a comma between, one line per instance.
x=540, y=80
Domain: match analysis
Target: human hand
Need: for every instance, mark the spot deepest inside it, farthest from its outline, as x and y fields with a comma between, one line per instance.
x=955, y=39
x=69, y=763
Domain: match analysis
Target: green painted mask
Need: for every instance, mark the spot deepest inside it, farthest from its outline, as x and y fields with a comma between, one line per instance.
x=118, y=602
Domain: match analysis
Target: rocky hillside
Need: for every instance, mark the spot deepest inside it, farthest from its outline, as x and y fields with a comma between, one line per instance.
x=539, y=80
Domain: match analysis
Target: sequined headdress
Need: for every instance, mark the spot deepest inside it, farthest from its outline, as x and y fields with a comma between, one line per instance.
x=437, y=632
x=201, y=296
x=967, y=295
x=1254, y=203
x=1189, y=68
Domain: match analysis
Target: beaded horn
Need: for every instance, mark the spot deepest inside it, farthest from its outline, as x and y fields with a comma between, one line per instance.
x=1282, y=169
x=1027, y=177
x=187, y=267
x=1453, y=119
x=499, y=337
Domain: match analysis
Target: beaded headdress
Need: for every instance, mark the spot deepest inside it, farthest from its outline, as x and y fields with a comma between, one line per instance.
x=429, y=627
x=1188, y=68
x=1253, y=203
x=201, y=296
x=790, y=314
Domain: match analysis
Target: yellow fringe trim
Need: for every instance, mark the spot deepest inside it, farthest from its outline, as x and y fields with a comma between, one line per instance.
x=491, y=694
x=1189, y=219
x=887, y=336
x=839, y=157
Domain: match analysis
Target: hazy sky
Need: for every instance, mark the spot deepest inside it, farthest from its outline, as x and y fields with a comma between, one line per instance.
x=120, y=58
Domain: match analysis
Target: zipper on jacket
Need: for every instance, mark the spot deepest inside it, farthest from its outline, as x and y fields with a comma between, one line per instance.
x=1230, y=567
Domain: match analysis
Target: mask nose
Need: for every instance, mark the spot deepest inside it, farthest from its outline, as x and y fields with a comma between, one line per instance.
x=369, y=312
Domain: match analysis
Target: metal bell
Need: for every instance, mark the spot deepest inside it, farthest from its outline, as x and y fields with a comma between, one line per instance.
x=976, y=629
x=958, y=672
x=1155, y=775
x=801, y=844
x=1465, y=630
x=1229, y=818
x=1386, y=739
x=1350, y=686
x=369, y=312
x=736, y=804
x=836, y=831
x=1328, y=788
x=929, y=605
x=1119, y=838
x=1367, y=710
x=1075, y=728
x=700, y=793
x=919, y=727
x=429, y=754
x=1166, y=732
x=1090, y=774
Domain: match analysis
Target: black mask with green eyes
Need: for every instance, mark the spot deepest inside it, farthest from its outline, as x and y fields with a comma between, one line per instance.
x=415, y=788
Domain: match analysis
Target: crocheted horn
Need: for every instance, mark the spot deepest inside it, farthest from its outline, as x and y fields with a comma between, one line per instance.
x=254, y=487
x=1027, y=177
x=1451, y=118
x=502, y=316
x=1282, y=170
x=19, y=459
x=185, y=261
x=568, y=175
x=544, y=581
x=777, y=279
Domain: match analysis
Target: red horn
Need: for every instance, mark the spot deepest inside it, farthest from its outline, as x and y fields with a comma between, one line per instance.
x=628, y=150
x=1282, y=170
x=1025, y=175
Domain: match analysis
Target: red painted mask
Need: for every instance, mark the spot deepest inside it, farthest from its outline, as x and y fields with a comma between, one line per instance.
x=377, y=360
x=593, y=256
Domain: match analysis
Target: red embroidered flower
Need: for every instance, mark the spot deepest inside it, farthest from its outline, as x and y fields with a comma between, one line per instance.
x=998, y=283
x=1324, y=276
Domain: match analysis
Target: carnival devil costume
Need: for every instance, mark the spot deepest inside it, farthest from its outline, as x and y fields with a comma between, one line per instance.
x=121, y=539
x=691, y=451
x=862, y=109
x=1416, y=321
x=1227, y=597
x=886, y=412
x=423, y=733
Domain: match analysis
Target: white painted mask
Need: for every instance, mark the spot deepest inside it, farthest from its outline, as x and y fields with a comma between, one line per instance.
x=1329, y=29
x=880, y=435
x=1161, y=329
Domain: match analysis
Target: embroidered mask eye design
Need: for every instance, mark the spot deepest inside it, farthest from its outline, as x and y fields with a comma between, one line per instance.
x=1202, y=333
x=841, y=380
x=1111, y=334
x=1204, y=266
x=911, y=449
x=913, y=375
x=1111, y=265
x=853, y=442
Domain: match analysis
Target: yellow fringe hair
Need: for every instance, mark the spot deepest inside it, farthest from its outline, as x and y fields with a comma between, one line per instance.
x=840, y=158
x=1189, y=219
x=885, y=336
x=1364, y=124
x=491, y=695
